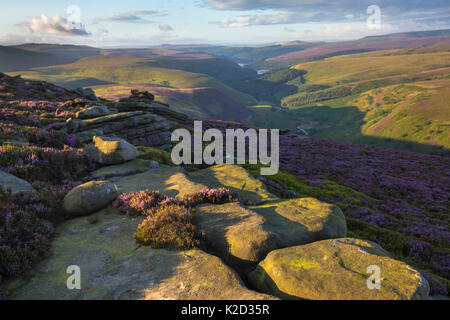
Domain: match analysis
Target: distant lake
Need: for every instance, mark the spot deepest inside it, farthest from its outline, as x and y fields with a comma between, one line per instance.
x=242, y=65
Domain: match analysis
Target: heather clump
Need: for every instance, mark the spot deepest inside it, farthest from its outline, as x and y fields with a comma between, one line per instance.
x=168, y=222
x=44, y=138
x=139, y=203
x=26, y=225
x=146, y=202
x=169, y=227
x=24, y=237
x=214, y=196
x=52, y=197
x=44, y=164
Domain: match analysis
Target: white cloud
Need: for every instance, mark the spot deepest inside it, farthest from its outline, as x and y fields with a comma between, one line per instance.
x=133, y=16
x=284, y=17
x=165, y=27
x=435, y=12
x=56, y=25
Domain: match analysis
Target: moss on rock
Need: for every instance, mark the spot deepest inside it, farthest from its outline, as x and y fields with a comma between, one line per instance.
x=334, y=270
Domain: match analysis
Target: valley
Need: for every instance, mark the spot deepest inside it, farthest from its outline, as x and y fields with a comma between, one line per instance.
x=389, y=91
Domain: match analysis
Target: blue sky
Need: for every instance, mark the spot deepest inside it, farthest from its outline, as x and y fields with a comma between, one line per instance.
x=139, y=23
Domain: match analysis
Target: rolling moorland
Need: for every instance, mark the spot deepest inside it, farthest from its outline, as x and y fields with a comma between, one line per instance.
x=391, y=98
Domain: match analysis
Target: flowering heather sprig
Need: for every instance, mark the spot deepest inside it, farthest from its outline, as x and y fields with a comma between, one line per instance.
x=139, y=203
x=214, y=196
x=147, y=201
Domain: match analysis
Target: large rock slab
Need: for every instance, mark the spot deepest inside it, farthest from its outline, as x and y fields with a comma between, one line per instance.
x=89, y=197
x=235, y=233
x=153, y=107
x=170, y=181
x=93, y=112
x=302, y=221
x=125, y=169
x=235, y=178
x=113, y=266
x=336, y=269
x=113, y=150
x=13, y=183
x=242, y=235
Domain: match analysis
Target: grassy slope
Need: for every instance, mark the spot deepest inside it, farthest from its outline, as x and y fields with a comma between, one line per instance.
x=366, y=44
x=369, y=44
x=205, y=103
x=15, y=59
x=416, y=112
x=403, y=103
x=21, y=57
x=374, y=65
x=115, y=72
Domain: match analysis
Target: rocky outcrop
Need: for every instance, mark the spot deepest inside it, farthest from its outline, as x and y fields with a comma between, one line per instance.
x=14, y=184
x=93, y=112
x=88, y=93
x=126, y=169
x=290, y=239
x=137, y=127
x=113, y=266
x=89, y=197
x=108, y=150
x=337, y=269
x=138, y=119
x=138, y=96
x=154, y=107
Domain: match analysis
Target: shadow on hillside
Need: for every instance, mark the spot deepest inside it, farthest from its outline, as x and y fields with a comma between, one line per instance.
x=264, y=90
x=345, y=124
x=80, y=83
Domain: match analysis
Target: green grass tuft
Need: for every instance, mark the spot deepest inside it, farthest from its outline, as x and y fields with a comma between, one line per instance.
x=150, y=153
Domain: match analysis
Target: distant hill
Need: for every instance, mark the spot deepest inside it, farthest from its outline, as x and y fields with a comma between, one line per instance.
x=248, y=55
x=414, y=34
x=357, y=46
x=32, y=55
x=12, y=59
x=155, y=52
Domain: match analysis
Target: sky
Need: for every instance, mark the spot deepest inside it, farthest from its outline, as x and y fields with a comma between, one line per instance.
x=145, y=23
